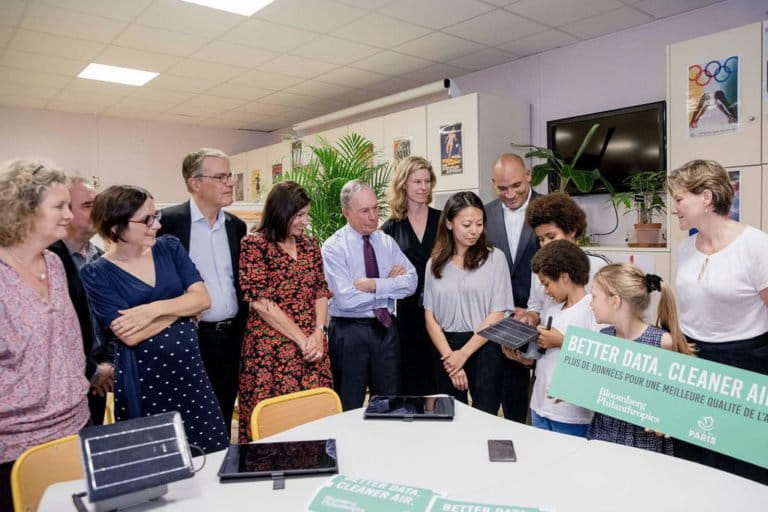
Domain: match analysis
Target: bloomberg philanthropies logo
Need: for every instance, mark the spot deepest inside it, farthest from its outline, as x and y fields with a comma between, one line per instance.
x=704, y=431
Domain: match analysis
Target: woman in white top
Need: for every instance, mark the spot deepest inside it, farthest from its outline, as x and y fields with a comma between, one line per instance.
x=722, y=285
x=463, y=294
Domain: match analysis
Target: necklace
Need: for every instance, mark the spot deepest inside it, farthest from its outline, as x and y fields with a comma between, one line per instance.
x=41, y=276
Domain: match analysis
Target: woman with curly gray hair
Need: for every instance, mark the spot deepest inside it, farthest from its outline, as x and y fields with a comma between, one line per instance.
x=42, y=383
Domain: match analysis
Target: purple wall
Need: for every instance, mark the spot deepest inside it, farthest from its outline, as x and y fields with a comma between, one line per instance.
x=613, y=71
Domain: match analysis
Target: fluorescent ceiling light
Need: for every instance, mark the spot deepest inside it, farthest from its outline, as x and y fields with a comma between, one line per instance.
x=244, y=7
x=116, y=74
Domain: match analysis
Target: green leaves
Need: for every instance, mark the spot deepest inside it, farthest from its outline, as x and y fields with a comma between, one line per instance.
x=645, y=196
x=330, y=167
x=563, y=172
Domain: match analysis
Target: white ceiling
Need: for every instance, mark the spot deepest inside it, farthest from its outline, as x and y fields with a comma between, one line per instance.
x=294, y=60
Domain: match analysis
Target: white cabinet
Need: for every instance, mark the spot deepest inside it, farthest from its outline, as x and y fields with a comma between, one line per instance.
x=487, y=126
x=704, y=69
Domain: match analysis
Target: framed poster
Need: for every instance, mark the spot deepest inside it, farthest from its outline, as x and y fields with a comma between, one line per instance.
x=713, y=97
x=256, y=186
x=451, y=150
x=239, y=187
x=735, y=179
x=401, y=149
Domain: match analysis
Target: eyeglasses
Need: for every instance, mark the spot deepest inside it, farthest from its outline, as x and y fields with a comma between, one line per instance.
x=149, y=219
x=221, y=178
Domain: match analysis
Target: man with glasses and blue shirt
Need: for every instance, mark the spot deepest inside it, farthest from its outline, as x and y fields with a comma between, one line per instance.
x=366, y=271
x=212, y=238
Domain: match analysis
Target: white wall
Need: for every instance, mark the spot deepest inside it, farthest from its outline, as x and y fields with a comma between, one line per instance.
x=145, y=153
x=614, y=71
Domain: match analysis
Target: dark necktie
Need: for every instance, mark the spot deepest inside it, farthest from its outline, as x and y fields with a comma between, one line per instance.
x=372, y=270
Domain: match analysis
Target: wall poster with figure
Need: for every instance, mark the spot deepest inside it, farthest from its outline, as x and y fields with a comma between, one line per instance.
x=239, y=187
x=450, y=149
x=401, y=149
x=713, y=97
x=256, y=186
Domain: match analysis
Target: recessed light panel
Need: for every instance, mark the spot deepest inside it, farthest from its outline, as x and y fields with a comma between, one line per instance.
x=243, y=7
x=116, y=74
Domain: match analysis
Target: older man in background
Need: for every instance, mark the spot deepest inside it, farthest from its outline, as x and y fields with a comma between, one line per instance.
x=366, y=271
x=75, y=251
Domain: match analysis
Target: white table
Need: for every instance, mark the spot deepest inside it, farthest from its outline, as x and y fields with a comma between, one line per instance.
x=554, y=471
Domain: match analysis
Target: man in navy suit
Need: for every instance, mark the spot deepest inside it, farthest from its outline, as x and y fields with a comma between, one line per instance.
x=508, y=231
x=212, y=238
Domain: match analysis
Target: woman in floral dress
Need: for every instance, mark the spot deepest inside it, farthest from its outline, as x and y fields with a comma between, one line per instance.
x=281, y=273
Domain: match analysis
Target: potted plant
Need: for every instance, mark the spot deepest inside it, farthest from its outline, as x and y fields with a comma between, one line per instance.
x=561, y=171
x=328, y=169
x=646, y=197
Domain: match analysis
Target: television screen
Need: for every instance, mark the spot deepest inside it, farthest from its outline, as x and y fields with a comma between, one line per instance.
x=628, y=141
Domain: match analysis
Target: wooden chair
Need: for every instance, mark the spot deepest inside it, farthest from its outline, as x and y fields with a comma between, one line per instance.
x=41, y=466
x=280, y=413
x=109, y=410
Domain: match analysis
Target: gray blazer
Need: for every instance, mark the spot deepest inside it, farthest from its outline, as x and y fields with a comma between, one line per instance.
x=520, y=265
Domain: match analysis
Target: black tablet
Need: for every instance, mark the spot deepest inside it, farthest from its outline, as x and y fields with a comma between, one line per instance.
x=286, y=458
x=410, y=408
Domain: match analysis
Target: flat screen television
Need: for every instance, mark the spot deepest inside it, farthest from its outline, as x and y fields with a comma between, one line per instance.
x=629, y=140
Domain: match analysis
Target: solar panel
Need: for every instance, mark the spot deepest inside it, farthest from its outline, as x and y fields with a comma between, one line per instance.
x=511, y=333
x=133, y=455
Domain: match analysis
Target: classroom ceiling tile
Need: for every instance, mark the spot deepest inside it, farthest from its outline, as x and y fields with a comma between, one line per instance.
x=607, y=23
x=558, y=12
x=439, y=47
x=495, y=28
x=435, y=14
x=68, y=23
x=323, y=16
x=234, y=54
x=125, y=10
x=334, y=50
x=351, y=77
x=391, y=63
x=55, y=46
x=538, y=43
x=35, y=62
x=297, y=66
x=267, y=36
x=483, y=59
x=155, y=39
x=276, y=81
x=381, y=31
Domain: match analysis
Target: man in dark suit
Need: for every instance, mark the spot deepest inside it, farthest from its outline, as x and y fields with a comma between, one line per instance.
x=212, y=238
x=75, y=251
x=508, y=231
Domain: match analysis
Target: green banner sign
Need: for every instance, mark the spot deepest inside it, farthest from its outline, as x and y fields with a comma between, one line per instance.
x=447, y=505
x=361, y=495
x=708, y=404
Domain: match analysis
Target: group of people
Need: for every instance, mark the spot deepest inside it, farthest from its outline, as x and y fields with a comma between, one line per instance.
x=185, y=311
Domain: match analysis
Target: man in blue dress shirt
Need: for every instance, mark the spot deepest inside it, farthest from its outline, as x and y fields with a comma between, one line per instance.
x=366, y=271
x=212, y=238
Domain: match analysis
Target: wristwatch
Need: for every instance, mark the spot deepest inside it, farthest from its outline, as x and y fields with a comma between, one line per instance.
x=323, y=328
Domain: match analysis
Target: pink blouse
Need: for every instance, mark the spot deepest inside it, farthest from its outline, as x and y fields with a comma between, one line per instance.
x=42, y=366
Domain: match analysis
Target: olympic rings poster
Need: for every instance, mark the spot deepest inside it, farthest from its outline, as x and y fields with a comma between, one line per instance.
x=713, y=97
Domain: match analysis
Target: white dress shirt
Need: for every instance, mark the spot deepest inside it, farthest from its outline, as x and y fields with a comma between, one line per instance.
x=513, y=222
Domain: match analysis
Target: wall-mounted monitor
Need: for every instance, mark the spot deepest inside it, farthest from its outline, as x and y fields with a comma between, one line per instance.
x=629, y=140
